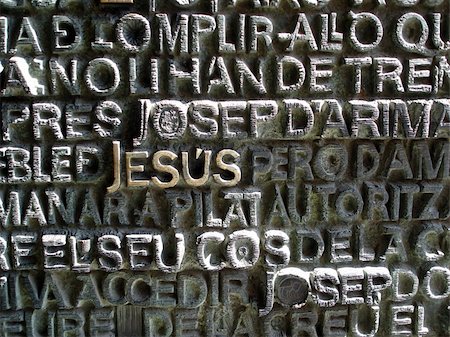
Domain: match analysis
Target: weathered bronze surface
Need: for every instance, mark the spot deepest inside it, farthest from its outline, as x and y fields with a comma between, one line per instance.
x=224, y=168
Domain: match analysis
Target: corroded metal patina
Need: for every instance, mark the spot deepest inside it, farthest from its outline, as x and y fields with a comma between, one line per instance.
x=224, y=168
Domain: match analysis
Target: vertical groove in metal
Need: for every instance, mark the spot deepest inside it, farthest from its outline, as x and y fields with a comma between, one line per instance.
x=129, y=321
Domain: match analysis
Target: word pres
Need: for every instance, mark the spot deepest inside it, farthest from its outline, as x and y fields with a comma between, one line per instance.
x=23, y=122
